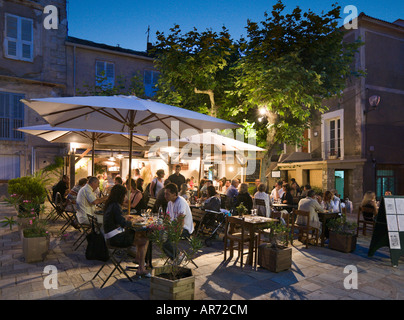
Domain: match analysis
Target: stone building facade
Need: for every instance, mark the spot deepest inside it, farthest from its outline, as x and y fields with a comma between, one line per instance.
x=356, y=147
x=37, y=61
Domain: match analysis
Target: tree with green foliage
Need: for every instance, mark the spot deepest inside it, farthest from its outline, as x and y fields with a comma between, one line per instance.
x=288, y=66
x=197, y=70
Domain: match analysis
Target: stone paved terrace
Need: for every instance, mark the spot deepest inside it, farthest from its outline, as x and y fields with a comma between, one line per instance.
x=316, y=274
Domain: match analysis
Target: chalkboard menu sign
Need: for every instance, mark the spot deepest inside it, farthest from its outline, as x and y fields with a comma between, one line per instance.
x=389, y=228
x=251, y=174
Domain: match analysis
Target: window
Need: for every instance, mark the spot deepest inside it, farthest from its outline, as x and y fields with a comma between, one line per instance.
x=332, y=137
x=11, y=116
x=9, y=167
x=18, y=42
x=104, y=74
x=150, y=80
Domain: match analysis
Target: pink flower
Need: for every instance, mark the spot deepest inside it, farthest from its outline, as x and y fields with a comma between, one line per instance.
x=30, y=221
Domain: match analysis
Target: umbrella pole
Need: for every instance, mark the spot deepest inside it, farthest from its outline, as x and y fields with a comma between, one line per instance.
x=130, y=166
x=200, y=170
x=93, y=155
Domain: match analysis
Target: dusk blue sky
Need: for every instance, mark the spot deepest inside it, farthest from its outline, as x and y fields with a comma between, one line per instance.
x=125, y=22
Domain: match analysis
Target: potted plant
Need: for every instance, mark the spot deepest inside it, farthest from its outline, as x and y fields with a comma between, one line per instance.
x=275, y=255
x=241, y=209
x=173, y=281
x=35, y=238
x=342, y=234
x=333, y=155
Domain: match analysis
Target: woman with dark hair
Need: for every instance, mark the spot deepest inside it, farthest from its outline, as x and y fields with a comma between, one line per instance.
x=117, y=231
x=136, y=198
x=244, y=197
x=212, y=202
x=287, y=197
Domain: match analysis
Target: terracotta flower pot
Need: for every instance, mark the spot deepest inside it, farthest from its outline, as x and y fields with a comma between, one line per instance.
x=162, y=288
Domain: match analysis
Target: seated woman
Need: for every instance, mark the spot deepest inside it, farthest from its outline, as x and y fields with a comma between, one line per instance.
x=184, y=192
x=136, y=198
x=116, y=228
x=213, y=202
x=261, y=194
x=287, y=197
x=369, y=201
x=329, y=202
x=244, y=197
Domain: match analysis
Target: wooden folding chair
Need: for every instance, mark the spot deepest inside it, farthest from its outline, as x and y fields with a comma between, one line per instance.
x=365, y=216
x=241, y=237
x=305, y=230
x=258, y=204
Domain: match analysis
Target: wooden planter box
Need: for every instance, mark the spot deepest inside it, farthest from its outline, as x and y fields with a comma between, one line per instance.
x=165, y=289
x=35, y=249
x=342, y=242
x=275, y=260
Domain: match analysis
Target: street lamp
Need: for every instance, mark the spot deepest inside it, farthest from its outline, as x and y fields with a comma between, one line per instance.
x=373, y=103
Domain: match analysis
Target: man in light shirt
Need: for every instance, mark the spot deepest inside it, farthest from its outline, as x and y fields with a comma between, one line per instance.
x=87, y=200
x=177, y=206
x=277, y=192
x=310, y=204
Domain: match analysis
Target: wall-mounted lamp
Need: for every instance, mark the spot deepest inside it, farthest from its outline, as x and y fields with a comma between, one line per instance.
x=373, y=103
x=73, y=147
x=315, y=133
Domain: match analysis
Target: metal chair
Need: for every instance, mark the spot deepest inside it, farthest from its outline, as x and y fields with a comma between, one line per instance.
x=113, y=255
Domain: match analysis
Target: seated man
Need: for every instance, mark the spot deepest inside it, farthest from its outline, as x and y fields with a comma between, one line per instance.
x=232, y=193
x=87, y=200
x=177, y=206
x=72, y=196
x=310, y=204
x=62, y=187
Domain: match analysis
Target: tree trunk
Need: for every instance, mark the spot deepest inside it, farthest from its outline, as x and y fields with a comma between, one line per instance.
x=210, y=93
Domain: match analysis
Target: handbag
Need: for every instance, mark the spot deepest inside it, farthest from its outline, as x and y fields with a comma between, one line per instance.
x=96, y=247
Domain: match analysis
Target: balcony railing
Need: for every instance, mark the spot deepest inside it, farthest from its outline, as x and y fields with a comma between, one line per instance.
x=332, y=149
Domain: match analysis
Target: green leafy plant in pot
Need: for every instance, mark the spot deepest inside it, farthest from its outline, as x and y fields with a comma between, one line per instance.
x=178, y=280
x=275, y=255
x=241, y=209
x=35, y=240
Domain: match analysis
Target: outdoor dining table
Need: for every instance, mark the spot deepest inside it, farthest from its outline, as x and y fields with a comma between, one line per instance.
x=253, y=223
x=324, y=217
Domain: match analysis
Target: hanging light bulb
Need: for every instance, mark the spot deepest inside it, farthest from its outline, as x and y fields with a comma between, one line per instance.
x=111, y=158
x=119, y=156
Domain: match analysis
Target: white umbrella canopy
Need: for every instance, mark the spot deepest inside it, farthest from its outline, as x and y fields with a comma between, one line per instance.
x=127, y=114
x=121, y=114
x=84, y=136
x=222, y=142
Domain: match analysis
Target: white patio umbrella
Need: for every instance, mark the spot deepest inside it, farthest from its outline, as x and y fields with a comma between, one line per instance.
x=127, y=114
x=222, y=142
x=83, y=136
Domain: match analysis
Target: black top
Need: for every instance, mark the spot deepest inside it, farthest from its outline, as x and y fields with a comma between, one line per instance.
x=60, y=187
x=178, y=180
x=113, y=218
x=213, y=204
x=246, y=199
x=141, y=204
x=160, y=201
x=288, y=197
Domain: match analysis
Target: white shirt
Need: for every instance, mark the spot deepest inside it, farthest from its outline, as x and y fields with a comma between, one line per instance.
x=178, y=207
x=264, y=196
x=280, y=193
x=85, y=198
